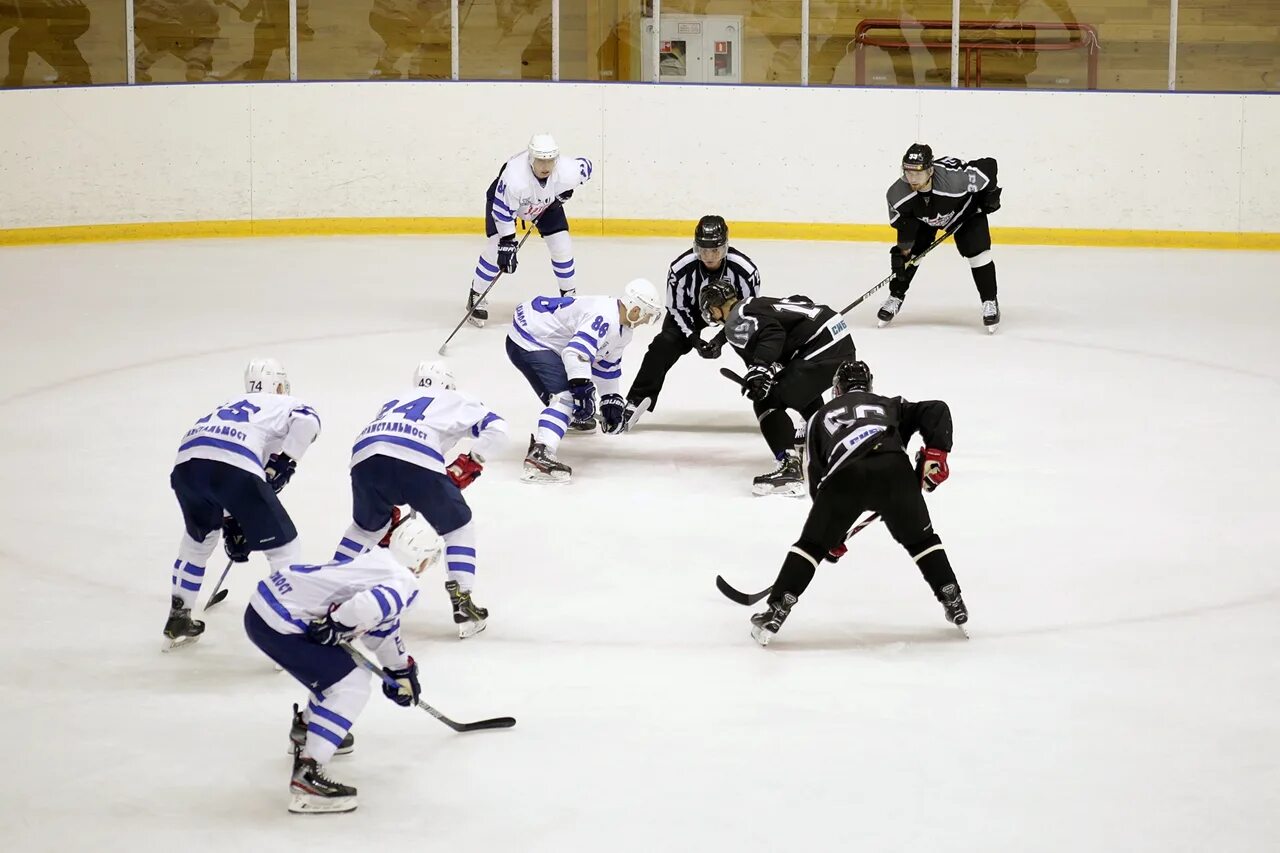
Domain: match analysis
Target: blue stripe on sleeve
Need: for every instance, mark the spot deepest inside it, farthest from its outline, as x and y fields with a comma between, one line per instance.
x=488, y=419
x=606, y=374
x=607, y=364
x=498, y=216
x=394, y=595
x=591, y=339
x=382, y=602
x=307, y=411
x=575, y=345
x=409, y=603
x=387, y=631
x=470, y=568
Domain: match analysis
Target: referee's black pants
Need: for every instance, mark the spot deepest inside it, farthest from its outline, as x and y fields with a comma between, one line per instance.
x=668, y=347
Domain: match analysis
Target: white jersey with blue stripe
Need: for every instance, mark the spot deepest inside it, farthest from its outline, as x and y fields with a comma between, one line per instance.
x=584, y=331
x=245, y=430
x=367, y=594
x=421, y=425
x=520, y=195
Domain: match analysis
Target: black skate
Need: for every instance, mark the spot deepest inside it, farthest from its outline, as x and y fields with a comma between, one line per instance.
x=953, y=606
x=540, y=466
x=298, y=735
x=991, y=315
x=585, y=425
x=572, y=291
x=181, y=630
x=467, y=615
x=787, y=479
x=314, y=792
x=766, y=623
x=479, y=313
x=889, y=309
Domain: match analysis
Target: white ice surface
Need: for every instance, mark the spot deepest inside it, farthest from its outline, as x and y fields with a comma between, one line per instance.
x=1111, y=515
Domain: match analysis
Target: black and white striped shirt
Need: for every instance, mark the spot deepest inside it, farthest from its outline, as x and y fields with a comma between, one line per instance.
x=685, y=280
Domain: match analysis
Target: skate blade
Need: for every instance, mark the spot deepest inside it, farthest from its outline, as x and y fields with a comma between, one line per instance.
x=470, y=629
x=882, y=323
x=761, y=636
x=474, y=321
x=310, y=804
x=761, y=490
x=991, y=330
x=962, y=628
x=540, y=478
x=173, y=645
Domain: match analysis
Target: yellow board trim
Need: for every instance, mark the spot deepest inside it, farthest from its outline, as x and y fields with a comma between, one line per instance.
x=617, y=228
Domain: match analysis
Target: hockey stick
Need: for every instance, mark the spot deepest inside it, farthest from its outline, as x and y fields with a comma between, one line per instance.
x=483, y=296
x=645, y=405
x=730, y=375
x=748, y=599
x=913, y=261
x=494, y=723
x=218, y=592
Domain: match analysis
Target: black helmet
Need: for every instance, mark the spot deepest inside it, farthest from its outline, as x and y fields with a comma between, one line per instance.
x=918, y=157
x=851, y=375
x=714, y=294
x=711, y=233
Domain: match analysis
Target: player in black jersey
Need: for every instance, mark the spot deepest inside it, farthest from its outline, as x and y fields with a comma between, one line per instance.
x=933, y=194
x=710, y=259
x=792, y=348
x=858, y=462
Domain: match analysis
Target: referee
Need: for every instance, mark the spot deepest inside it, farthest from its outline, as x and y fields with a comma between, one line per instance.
x=710, y=259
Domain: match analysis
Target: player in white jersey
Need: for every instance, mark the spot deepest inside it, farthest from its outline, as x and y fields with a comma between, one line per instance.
x=233, y=461
x=399, y=458
x=561, y=345
x=532, y=186
x=299, y=615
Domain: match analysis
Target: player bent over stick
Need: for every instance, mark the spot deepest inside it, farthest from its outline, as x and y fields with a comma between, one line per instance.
x=857, y=462
x=399, y=458
x=300, y=614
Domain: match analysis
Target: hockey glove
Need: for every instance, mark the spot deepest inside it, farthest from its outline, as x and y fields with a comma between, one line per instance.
x=837, y=552
x=234, y=541
x=613, y=411
x=932, y=467
x=406, y=690
x=711, y=348
x=328, y=632
x=990, y=199
x=759, y=381
x=898, y=263
x=280, y=468
x=464, y=470
x=584, y=398
x=507, y=254
x=564, y=196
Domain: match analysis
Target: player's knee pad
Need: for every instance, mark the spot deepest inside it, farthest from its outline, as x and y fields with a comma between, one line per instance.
x=560, y=246
x=197, y=551
x=980, y=260
x=284, y=556
x=924, y=547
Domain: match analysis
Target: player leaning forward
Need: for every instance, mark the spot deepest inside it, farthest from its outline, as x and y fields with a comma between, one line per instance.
x=858, y=462
x=532, y=186
x=299, y=615
x=933, y=194
x=564, y=347
x=234, y=460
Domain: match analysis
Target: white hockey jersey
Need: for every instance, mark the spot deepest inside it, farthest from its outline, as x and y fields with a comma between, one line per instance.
x=244, y=431
x=421, y=425
x=370, y=592
x=520, y=195
x=584, y=331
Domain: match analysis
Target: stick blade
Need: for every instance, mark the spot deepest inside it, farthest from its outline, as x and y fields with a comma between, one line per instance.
x=495, y=723
x=739, y=597
x=216, y=598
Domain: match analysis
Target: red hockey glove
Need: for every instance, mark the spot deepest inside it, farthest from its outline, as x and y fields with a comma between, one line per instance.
x=837, y=552
x=932, y=467
x=464, y=470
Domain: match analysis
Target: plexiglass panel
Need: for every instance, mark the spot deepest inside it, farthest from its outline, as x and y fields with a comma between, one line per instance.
x=374, y=40
x=505, y=39
x=62, y=42
x=1229, y=45
x=880, y=42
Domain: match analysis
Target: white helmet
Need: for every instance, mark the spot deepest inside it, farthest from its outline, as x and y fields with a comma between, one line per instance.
x=640, y=293
x=434, y=374
x=543, y=147
x=415, y=545
x=266, y=375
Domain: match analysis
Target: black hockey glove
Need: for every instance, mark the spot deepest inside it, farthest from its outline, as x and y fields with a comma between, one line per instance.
x=759, y=381
x=234, y=541
x=280, y=468
x=711, y=348
x=990, y=199
x=328, y=632
x=584, y=398
x=406, y=690
x=564, y=196
x=507, y=254
x=898, y=263
x=613, y=412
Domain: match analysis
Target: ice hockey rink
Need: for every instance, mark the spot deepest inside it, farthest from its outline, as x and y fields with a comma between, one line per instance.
x=1111, y=515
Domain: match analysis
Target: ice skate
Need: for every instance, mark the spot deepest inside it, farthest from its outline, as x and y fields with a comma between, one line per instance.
x=298, y=735
x=889, y=310
x=787, y=479
x=765, y=624
x=953, y=606
x=180, y=630
x=467, y=615
x=991, y=315
x=585, y=425
x=479, y=311
x=314, y=792
x=541, y=466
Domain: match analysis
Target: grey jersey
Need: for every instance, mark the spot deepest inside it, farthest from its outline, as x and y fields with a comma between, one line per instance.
x=955, y=183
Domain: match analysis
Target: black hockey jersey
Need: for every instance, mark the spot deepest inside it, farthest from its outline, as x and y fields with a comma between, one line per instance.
x=687, y=275
x=859, y=423
x=768, y=330
x=955, y=185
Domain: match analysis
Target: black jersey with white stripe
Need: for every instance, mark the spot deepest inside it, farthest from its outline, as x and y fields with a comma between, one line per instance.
x=687, y=276
x=955, y=183
x=766, y=329
x=859, y=423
